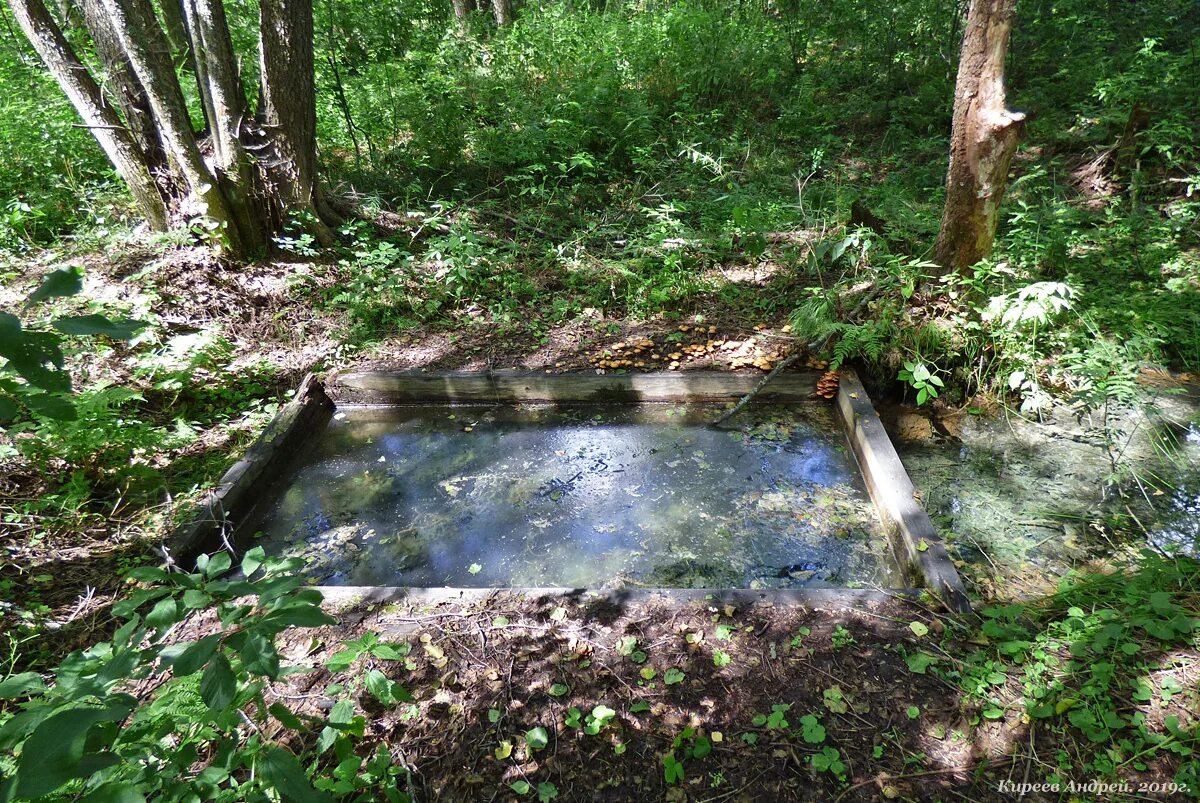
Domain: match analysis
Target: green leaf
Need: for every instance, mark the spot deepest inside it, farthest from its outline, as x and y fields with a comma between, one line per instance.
x=673, y=676
x=520, y=787
x=252, y=560
x=216, y=565
x=115, y=792
x=672, y=769
x=721, y=658
x=53, y=754
x=283, y=772
x=918, y=662
x=58, y=284
x=919, y=629
x=84, y=325
x=196, y=655
x=812, y=729
x=558, y=690
x=546, y=792
x=285, y=716
x=20, y=685
x=8, y=407
x=260, y=656
x=305, y=615
x=218, y=686
x=164, y=614
x=602, y=713
x=386, y=690
x=51, y=405
x=537, y=738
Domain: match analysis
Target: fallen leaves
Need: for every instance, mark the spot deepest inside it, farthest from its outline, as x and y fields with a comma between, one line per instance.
x=696, y=344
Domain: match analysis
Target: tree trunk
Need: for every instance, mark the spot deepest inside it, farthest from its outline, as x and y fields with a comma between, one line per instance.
x=502, y=12
x=461, y=9
x=122, y=83
x=225, y=104
x=85, y=95
x=148, y=52
x=983, y=138
x=177, y=34
x=287, y=115
x=250, y=176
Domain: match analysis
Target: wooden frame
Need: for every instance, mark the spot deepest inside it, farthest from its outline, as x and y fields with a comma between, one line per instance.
x=915, y=542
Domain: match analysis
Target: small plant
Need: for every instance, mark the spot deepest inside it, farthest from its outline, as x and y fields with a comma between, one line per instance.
x=921, y=379
x=829, y=760
x=694, y=746
x=71, y=739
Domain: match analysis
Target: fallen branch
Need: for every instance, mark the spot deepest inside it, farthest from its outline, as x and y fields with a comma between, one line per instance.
x=737, y=408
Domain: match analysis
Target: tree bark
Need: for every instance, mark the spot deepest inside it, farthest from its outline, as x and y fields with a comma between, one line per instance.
x=251, y=176
x=502, y=12
x=983, y=139
x=225, y=103
x=287, y=115
x=462, y=8
x=146, y=46
x=176, y=29
x=122, y=83
x=85, y=95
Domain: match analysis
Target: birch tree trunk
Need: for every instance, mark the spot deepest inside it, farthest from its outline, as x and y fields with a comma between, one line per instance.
x=983, y=139
x=247, y=176
x=502, y=12
x=85, y=95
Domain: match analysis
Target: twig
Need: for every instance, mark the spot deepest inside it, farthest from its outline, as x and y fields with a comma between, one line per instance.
x=869, y=781
x=812, y=347
x=737, y=408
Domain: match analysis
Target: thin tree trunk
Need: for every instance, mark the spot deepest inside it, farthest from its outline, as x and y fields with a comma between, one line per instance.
x=121, y=82
x=502, y=12
x=176, y=29
x=461, y=9
x=288, y=114
x=148, y=52
x=225, y=99
x=983, y=139
x=340, y=89
x=85, y=95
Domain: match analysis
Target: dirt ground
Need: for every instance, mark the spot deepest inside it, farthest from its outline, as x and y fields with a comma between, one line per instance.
x=898, y=734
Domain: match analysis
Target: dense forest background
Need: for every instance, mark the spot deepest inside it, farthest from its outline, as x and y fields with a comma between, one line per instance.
x=528, y=185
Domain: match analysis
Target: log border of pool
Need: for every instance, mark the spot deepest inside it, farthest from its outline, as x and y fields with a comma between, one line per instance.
x=253, y=481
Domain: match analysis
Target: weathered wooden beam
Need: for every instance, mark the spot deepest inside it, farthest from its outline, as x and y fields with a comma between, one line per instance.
x=915, y=541
x=244, y=486
x=404, y=387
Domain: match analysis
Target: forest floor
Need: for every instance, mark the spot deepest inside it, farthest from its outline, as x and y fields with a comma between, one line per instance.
x=738, y=697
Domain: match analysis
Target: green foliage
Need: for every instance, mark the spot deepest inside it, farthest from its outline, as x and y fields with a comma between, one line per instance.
x=1100, y=640
x=691, y=745
x=62, y=740
x=33, y=374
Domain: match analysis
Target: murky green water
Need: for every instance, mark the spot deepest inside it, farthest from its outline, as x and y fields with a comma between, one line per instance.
x=617, y=496
x=1022, y=504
